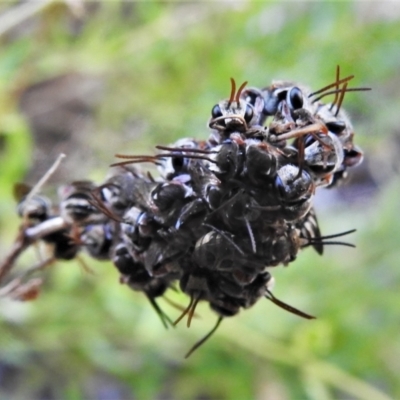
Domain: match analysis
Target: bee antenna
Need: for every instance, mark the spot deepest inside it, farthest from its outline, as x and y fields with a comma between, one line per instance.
x=324, y=243
x=97, y=202
x=361, y=89
x=337, y=86
x=176, y=305
x=341, y=98
x=334, y=84
x=205, y=338
x=132, y=157
x=338, y=234
x=335, y=92
x=183, y=150
x=233, y=91
x=191, y=156
x=287, y=307
x=134, y=161
x=324, y=239
x=239, y=92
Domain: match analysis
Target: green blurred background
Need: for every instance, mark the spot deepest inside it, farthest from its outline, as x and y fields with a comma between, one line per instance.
x=95, y=79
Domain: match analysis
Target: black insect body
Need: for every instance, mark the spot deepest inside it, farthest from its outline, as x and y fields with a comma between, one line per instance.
x=295, y=192
x=233, y=114
x=236, y=115
x=255, y=98
x=98, y=240
x=137, y=278
x=340, y=127
x=64, y=246
x=168, y=199
x=173, y=161
x=116, y=194
x=76, y=204
x=138, y=229
x=216, y=251
x=309, y=231
x=280, y=93
x=261, y=163
x=224, y=211
x=228, y=160
x=34, y=209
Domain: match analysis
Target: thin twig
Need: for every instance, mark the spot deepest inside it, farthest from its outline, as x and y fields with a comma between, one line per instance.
x=20, y=13
x=20, y=244
x=37, y=267
x=44, y=178
x=26, y=236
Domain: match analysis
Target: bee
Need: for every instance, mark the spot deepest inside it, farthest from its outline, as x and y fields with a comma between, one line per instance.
x=298, y=113
x=310, y=234
x=116, y=195
x=288, y=198
x=167, y=200
x=35, y=209
x=234, y=115
x=138, y=229
x=97, y=240
x=226, y=297
x=64, y=245
x=323, y=157
x=298, y=97
x=341, y=128
x=76, y=204
x=263, y=161
x=135, y=275
x=172, y=162
x=217, y=250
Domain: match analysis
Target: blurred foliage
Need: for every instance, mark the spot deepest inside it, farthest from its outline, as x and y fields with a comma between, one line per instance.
x=163, y=66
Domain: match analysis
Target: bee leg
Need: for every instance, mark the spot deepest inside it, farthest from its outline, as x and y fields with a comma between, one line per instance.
x=312, y=129
x=205, y=338
x=178, y=306
x=185, y=311
x=287, y=307
x=165, y=320
x=300, y=159
x=251, y=235
x=190, y=309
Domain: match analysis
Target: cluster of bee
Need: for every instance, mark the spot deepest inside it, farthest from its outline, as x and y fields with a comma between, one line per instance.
x=224, y=210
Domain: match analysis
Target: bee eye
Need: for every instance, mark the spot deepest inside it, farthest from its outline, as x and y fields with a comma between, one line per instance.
x=336, y=127
x=250, y=99
x=178, y=163
x=248, y=115
x=280, y=186
x=295, y=98
x=216, y=111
